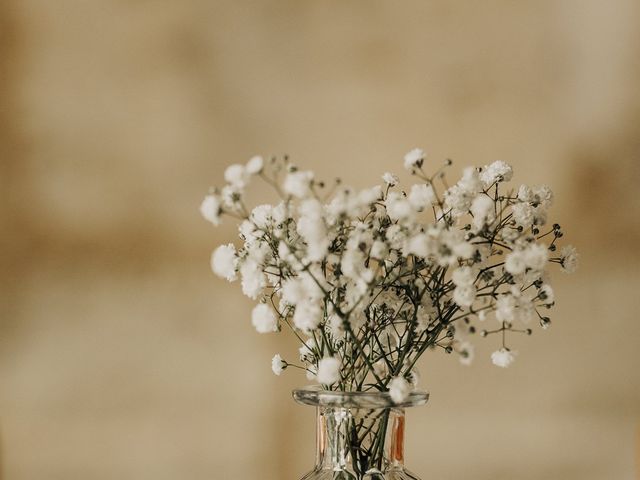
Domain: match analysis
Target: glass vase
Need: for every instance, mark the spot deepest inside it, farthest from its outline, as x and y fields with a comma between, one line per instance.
x=359, y=435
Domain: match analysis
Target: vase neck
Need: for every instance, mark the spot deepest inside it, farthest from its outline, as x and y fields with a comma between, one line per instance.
x=359, y=440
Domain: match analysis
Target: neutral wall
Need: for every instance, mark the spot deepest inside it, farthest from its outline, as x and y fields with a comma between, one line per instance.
x=122, y=356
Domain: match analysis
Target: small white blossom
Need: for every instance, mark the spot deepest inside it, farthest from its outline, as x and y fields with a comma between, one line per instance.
x=535, y=256
x=379, y=250
x=371, y=195
x=231, y=196
x=525, y=194
x=306, y=353
x=419, y=245
x=505, y=308
x=459, y=197
x=464, y=295
x=277, y=364
x=421, y=196
x=463, y=277
x=328, y=371
x=503, y=357
x=569, y=258
x=482, y=209
x=261, y=216
x=398, y=207
x=293, y=291
x=312, y=228
x=210, y=209
x=413, y=159
x=307, y=316
x=236, y=175
x=223, y=261
x=298, y=184
x=336, y=326
x=264, y=319
x=399, y=389
x=253, y=279
x=390, y=179
x=498, y=171
x=255, y=165
x=546, y=294
x=523, y=214
x=515, y=263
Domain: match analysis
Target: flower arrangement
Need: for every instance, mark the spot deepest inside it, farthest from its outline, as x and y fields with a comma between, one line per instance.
x=369, y=280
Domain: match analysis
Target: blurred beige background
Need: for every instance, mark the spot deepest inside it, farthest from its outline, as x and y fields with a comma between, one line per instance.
x=123, y=357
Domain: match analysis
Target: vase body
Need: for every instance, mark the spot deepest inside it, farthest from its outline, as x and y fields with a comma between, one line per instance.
x=359, y=435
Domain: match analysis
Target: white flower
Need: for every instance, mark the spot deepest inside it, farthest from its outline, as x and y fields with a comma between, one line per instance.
x=413, y=159
x=459, y=197
x=312, y=228
x=307, y=316
x=544, y=195
x=525, y=194
x=452, y=247
x=398, y=207
x=498, y=171
x=328, y=371
x=399, y=389
x=482, y=209
x=390, y=179
x=546, y=294
x=419, y=245
x=253, y=279
x=223, y=261
x=263, y=319
x=231, y=196
x=379, y=250
x=470, y=180
x=261, y=215
x=371, y=195
x=535, y=256
x=293, y=291
x=464, y=295
x=277, y=364
x=336, y=326
x=515, y=263
x=503, y=357
x=248, y=232
x=305, y=352
x=210, y=209
x=505, y=308
x=298, y=183
x=236, y=175
x=523, y=214
x=569, y=258
x=421, y=196
x=255, y=165
x=463, y=277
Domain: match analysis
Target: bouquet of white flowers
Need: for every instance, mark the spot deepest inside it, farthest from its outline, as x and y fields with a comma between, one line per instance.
x=369, y=280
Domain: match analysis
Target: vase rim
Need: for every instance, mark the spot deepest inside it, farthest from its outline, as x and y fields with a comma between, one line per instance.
x=316, y=397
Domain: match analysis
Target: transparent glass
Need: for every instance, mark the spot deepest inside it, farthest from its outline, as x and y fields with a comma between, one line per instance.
x=359, y=435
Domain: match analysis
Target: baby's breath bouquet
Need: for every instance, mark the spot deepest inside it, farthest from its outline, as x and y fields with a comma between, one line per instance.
x=367, y=281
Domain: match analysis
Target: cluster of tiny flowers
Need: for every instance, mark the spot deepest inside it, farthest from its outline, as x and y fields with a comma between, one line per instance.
x=369, y=280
